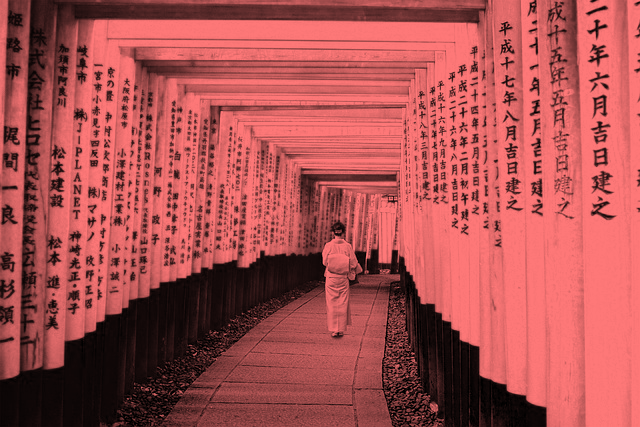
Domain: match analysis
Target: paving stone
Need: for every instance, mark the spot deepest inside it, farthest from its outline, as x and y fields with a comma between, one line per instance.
x=278, y=375
x=278, y=415
x=300, y=361
x=302, y=394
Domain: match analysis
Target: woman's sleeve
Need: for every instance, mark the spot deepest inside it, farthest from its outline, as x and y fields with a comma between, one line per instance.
x=325, y=253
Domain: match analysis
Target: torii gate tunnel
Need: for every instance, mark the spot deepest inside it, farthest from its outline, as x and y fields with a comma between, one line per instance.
x=168, y=164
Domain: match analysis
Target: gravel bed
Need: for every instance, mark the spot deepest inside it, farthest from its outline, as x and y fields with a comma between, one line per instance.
x=151, y=402
x=408, y=404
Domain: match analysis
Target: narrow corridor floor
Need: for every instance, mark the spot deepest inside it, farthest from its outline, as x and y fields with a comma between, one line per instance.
x=289, y=371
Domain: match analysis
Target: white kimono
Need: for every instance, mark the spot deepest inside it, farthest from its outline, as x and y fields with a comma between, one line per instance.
x=337, y=285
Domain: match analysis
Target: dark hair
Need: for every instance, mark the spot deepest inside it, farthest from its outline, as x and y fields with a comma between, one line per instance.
x=338, y=228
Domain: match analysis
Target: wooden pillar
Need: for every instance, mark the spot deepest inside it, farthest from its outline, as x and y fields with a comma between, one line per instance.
x=37, y=167
x=213, y=161
x=61, y=178
x=562, y=173
x=507, y=53
x=13, y=184
x=534, y=232
x=157, y=322
x=498, y=373
x=171, y=101
x=110, y=307
x=118, y=287
x=36, y=204
x=603, y=65
x=634, y=159
x=201, y=187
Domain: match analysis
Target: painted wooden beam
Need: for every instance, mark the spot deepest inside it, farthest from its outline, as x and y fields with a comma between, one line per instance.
x=231, y=82
x=339, y=66
x=254, y=54
x=293, y=89
x=190, y=40
x=247, y=11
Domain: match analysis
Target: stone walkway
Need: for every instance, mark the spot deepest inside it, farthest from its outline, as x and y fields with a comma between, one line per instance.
x=289, y=371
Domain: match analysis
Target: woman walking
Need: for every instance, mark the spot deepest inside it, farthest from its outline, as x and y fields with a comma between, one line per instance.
x=341, y=262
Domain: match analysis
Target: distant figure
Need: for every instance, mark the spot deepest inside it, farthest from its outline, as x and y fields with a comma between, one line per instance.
x=342, y=265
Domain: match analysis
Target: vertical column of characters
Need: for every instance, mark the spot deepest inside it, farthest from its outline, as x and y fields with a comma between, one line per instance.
x=408, y=206
x=244, y=224
x=314, y=218
x=36, y=198
x=451, y=181
x=375, y=222
x=562, y=171
x=13, y=185
x=195, y=137
x=441, y=198
x=485, y=243
x=294, y=221
x=305, y=215
x=633, y=34
x=237, y=176
x=484, y=315
x=266, y=194
x=184, y=268
x=366, y=241
x=275, y=192
x=280, y=207
x=423, y=165
x=279, y=189
x=419, y=105
x=285, y=184
x=161, y=153
x=229, y=183
x=233, y=176
x=4, y=17
x=221, y=191
x=298, y=220
x=288, y=188
x=78, y=223
x=212, y=174
x=534, y=241
x=465, y=141
x=466, y=144
x=497, y=349
x=199, y=240
x=474, y=190
x=454, y=154
x=176, y=252
x=59, y=186
x=193, y=180
x=149, y=137
x=171, y=96
x=134, y=186
x=94, y=287
x=117, y=285
x=434, y=223
x=287, y=181
x=311, y=224
x=106, y=76
x=357, y=223
x=606, y=187
x=404, y=184
x=319, y=195
x=264, y=188
x=256, y=197
x=321, y=206
x=512, y=168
